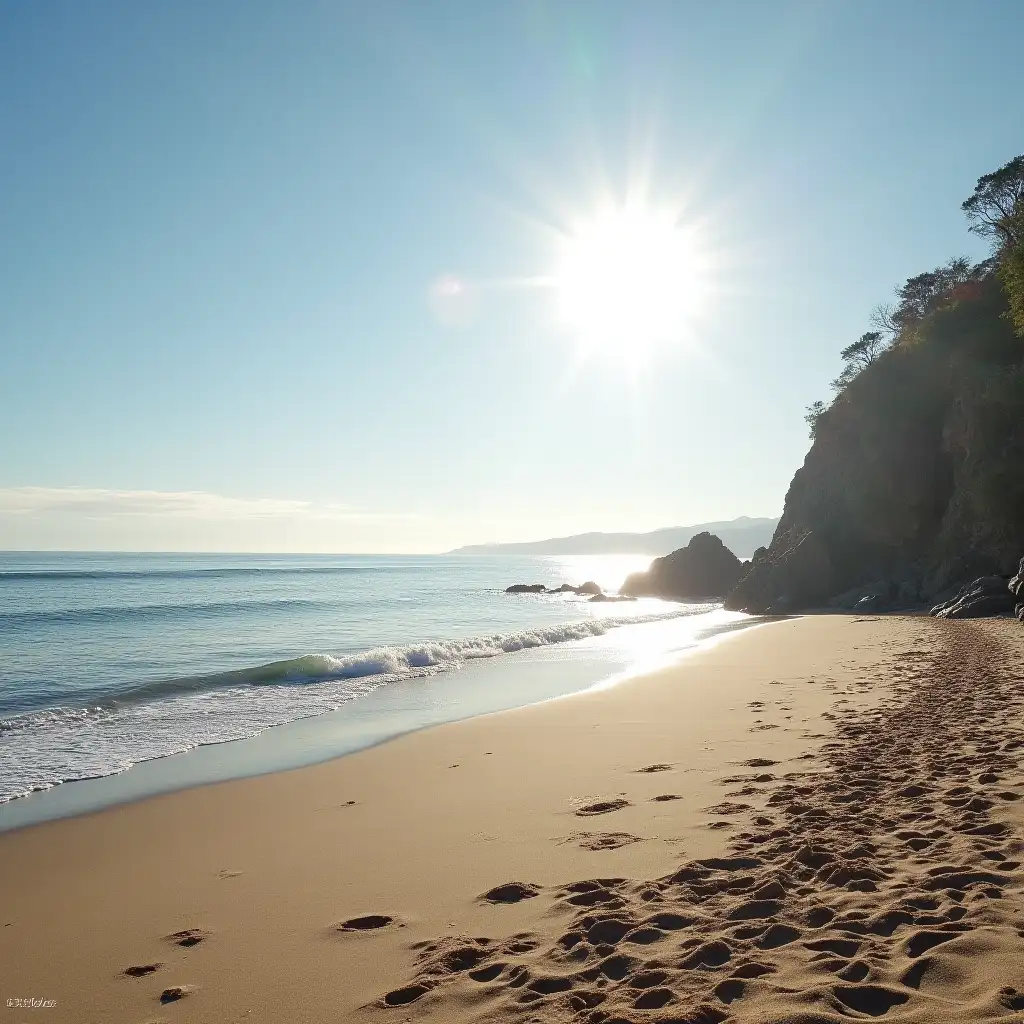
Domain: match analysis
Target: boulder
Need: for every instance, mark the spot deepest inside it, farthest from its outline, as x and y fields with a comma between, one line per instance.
x=704, y=568
x=610, y=597
x=795, y=572
x=1017, y=583
x=1019, y=611
x=585, y=589
x=987, y=595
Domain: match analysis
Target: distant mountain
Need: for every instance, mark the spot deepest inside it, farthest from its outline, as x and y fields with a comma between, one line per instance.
x=742, y=536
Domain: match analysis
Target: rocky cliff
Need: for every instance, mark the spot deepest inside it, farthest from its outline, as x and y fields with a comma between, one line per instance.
x=915, y=480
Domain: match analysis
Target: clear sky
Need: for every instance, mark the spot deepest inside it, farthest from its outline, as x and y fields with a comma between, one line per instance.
x=285, y=275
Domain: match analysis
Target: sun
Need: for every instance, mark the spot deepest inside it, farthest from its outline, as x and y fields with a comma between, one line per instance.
x=628, y=280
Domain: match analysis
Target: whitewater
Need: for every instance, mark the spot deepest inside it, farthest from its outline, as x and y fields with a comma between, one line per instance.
x=109, y=660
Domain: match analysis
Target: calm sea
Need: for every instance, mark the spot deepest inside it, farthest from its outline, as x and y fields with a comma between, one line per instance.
x=113, y=659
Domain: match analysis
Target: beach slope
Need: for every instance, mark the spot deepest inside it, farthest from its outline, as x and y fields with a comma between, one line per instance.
x=815, y=820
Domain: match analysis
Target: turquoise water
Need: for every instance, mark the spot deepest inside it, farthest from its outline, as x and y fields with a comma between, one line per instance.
x=110, y=660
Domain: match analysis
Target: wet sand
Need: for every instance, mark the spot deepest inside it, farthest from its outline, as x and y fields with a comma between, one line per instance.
x=815, y=820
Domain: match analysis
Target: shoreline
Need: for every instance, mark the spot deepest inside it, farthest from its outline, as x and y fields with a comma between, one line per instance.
x=390, y=711
x=572, y=856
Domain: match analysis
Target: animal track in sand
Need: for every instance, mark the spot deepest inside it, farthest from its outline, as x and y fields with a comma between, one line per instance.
x=188, y=937
x=885, y=882
x=656, y=768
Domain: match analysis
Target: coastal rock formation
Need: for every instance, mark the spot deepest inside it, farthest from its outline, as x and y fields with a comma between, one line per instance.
x=704, y=568
x=988, y=595
x=916, y=473
x=584, y=589
x=795, y=572
x=1016, y=587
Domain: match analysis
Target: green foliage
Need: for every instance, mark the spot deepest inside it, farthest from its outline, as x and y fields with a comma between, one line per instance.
x=974, y=328
x=812, y=417
x=1011, y=273
x=858, y=356
x=994, y=210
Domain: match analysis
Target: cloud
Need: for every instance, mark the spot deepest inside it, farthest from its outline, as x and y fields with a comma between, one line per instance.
x=105, y=504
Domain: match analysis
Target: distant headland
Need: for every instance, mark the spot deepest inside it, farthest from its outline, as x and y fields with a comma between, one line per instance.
x=743, y=536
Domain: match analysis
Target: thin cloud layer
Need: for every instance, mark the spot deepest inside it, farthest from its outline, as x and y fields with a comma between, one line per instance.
x=104, y=503
x=106, y=519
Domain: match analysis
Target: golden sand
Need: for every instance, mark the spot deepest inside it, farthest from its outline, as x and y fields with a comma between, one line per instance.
x=816, y=820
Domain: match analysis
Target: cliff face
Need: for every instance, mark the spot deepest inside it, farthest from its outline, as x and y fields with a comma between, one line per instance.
x=915, y=480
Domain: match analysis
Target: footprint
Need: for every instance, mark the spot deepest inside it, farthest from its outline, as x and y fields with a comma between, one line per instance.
x=176, y=992
x=511, y=892
x=368, y=922
x=602, y=807
x=189, y=937
x=730, y=990
x=604, y=840
x=408, y=994
x=874, y=1000
x=727, y=808
x=921, y=942
x=654, y=999
x=141, y=970
x=656, y=768
x=488, y=973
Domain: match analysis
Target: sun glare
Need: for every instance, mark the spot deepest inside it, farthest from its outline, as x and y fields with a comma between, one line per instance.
x=628, y=280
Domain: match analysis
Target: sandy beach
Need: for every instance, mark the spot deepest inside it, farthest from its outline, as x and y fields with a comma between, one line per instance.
x=813, y=820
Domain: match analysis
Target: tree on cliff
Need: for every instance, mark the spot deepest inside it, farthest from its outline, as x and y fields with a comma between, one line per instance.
x=996, y=211
x=861, y=354
x=814, y=413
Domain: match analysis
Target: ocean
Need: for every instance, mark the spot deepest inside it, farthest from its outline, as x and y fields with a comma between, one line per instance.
x=111, y=660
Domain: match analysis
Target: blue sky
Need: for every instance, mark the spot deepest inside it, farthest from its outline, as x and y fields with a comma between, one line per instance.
x=222, y=228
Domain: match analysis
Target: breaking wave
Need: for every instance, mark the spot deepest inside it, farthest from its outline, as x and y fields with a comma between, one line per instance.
x=45, y=747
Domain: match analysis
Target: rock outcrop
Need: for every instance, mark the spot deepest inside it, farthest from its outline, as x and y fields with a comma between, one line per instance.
x=989, y=595
x=795, y=572
x=1016, y=587
x=590, y=588
x=916, y=474
x=704, y=568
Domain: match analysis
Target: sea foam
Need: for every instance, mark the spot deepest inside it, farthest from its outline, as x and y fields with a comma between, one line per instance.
x=43, y=748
